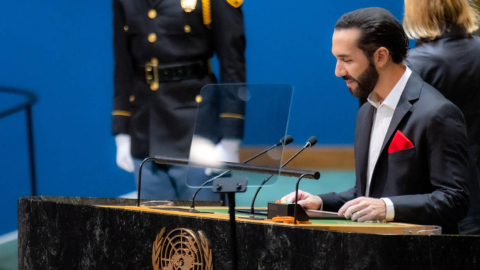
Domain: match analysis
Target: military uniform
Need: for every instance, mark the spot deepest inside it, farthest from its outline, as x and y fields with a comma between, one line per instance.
x=160, y=34
x=162, y=50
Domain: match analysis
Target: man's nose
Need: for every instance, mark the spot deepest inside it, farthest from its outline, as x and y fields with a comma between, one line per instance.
x=340, y=71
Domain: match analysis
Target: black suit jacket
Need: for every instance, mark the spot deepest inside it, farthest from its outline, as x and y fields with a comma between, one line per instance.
x=451, y=64
x=427, y=183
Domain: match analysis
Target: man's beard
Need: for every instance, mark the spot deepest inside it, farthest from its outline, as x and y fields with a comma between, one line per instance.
x=365, y=83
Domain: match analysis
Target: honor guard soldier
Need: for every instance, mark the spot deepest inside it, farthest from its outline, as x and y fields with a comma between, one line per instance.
x=162, y=51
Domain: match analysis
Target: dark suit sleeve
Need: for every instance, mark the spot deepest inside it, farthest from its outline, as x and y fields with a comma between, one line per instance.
x=334, y=201
x=448, y=167
x=229, y=42
x=123, y=73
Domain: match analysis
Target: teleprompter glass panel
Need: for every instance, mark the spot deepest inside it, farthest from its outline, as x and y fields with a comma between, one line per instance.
x=234, y=123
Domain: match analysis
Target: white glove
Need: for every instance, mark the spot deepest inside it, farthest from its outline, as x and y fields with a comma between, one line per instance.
x=124, y=158
x=227, y=150
x=203, y=152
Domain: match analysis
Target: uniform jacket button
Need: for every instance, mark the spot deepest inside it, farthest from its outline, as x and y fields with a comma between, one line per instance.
x=152, y=37
x=152, y=13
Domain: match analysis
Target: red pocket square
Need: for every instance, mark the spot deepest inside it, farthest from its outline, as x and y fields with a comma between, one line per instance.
x=399, y=142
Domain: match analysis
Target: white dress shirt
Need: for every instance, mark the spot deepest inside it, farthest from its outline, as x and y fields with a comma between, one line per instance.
x=381, y=121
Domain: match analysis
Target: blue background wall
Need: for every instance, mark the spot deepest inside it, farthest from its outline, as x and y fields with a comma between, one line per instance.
x=62, y=51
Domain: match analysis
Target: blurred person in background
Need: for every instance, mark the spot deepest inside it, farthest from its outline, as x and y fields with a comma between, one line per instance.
x=162, y=51
x=447, y=56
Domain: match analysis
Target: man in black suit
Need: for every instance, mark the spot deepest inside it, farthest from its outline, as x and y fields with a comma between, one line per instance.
x=410, y=142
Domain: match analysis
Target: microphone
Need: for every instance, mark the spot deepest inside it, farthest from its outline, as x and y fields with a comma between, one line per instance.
x=283, y=141
x=310, y=142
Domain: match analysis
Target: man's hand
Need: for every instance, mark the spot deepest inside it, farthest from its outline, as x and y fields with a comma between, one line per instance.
x=124, y=158
x=305, y=199
x=364, y=209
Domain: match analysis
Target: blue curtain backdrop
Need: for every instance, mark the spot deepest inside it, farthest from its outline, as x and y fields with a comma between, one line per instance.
x=62, y=51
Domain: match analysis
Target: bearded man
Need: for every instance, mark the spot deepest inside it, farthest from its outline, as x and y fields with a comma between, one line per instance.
x=410, y=142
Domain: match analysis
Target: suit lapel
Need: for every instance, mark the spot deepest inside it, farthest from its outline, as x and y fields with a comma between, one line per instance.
x=410, y=94
x=362, y=148
x=402, y=108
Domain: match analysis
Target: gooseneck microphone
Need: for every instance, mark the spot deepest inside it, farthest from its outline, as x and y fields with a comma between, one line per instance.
x=310, y=142
x=283, y=141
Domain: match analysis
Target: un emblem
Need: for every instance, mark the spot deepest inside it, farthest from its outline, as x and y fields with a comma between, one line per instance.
x=181, y=249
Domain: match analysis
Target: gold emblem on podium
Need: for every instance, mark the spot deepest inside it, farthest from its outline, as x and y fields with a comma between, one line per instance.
x=181, y=249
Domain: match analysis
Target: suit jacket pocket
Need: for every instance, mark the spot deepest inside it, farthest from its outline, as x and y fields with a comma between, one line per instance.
x=402, y=154
x=402, y=172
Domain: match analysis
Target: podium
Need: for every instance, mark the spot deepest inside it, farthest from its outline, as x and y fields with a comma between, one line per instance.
x=96, y=233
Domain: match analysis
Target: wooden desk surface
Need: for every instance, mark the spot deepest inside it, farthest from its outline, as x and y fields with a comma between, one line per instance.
x=323, y=224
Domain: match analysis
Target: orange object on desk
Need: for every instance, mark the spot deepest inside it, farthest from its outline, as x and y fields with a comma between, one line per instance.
x=288, y=219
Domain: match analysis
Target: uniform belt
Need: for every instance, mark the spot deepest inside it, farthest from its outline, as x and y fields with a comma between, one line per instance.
x=155, y=74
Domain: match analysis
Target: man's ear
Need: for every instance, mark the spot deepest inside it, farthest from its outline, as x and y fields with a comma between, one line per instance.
x=381, y=57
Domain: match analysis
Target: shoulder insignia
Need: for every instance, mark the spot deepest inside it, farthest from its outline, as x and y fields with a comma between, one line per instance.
x=235, y=3
x=207, y=14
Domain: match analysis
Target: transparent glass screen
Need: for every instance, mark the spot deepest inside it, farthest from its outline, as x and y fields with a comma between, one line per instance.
x=234, y=123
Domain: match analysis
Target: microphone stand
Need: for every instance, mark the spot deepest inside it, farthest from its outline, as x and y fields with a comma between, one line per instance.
x=230, y=186
x=192, y=206
x=252, y=207
x=140, y=178
x=296, y=199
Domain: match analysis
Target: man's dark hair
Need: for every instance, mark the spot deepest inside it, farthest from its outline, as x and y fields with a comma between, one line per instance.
x=378, y=28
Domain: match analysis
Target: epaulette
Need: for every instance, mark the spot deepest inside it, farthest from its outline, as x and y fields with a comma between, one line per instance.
x=235, y=3
x=207, y=14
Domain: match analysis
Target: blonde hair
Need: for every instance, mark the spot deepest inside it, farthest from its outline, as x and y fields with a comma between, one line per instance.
x=429, y=18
